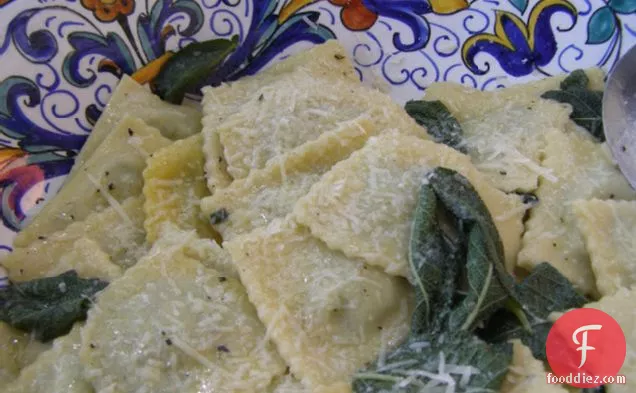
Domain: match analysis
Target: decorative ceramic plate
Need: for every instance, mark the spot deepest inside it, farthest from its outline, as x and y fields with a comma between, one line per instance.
x=61, y=59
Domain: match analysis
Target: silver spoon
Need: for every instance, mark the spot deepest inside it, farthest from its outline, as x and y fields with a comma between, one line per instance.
x=619, y=114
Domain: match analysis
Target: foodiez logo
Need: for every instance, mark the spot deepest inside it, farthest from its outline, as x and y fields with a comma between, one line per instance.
x=586, y=349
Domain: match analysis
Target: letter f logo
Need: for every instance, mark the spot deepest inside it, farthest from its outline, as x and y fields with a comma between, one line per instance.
x=583, y=344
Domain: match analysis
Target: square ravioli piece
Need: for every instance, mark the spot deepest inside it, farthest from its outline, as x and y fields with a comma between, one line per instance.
x=527, y=374
x=271, y=192
x=174, y=184
x=327, y=314
x=467, y=103
x=112, y=174
x=364, y=205
x=18, y=349
x=131, y=98
x=57, y=370
x=171, y=324
x=327, y=61
x=609, y=230
x=620, y=306
x=207, y=251
x=584, y=170
x=100, y=246
x=507, y=144
x=82, y=255
x=298, y=109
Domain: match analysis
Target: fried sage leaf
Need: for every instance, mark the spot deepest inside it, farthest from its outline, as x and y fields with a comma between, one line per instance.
x=486, y=283
x=460, y=283
x=50, y=306
x=544, y=291
x=438, y=120
x=189, y=67
x=456, y=260
x=435, y=258
x=587, y=105
x=424, y=363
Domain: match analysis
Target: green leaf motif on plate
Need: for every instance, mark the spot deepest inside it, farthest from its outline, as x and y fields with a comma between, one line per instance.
x=520, y=5
x=601, y=26
x=623, y=6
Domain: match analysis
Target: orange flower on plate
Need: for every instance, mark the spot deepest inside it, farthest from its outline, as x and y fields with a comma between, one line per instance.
x=109, y=10
x=355, y=15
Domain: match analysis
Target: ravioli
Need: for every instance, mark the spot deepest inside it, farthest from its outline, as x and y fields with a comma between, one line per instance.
x=174, y=183
x=10, y=344
x=609, y=229
x=527, y=374
x=288, y=384
x=326, y=61
x=466, y=103
x=113, y=172
x=207, y=251
x=57, y=370
x=620, y=306
x=132, y=99
x=99, y=246
x=507, y=144
x=17, y=350
x=170, y=324
x=298, y=109
x=271, y=192
x=327, y=314
x=364, y=206
x=216, y=172
x=584, y=170
x=88, y=260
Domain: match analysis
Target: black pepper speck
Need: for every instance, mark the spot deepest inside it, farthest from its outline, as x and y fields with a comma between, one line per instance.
x=219, y=216
x=223, y=348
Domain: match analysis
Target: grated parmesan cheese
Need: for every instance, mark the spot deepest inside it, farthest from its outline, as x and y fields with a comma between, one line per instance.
x=111, y=200
x=321, y=309
x=116, y=163
x=149, y=324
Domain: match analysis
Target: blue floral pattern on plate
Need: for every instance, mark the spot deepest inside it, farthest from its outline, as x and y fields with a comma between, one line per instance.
x=63, y=58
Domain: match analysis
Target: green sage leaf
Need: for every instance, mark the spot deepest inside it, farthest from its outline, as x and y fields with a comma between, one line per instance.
x=488, y=283
x=50, y=306
x=587, y=105
x=576, y=79
x=461, y=285
x=189, y=67
x=438, y=120
x=544, y=291
x=425, y=363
